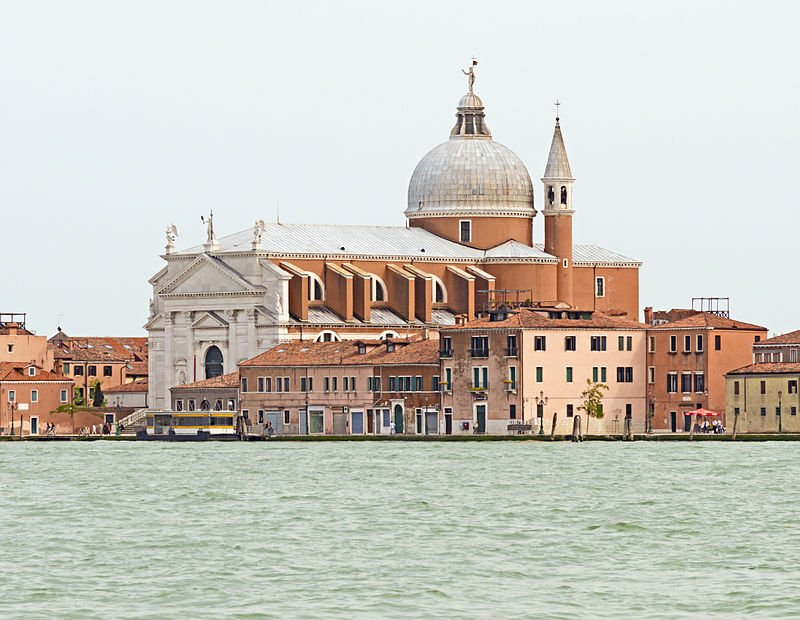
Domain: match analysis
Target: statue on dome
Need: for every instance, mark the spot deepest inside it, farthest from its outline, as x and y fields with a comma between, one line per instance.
x=172, y=232
x=258, y=230
x=470, y=73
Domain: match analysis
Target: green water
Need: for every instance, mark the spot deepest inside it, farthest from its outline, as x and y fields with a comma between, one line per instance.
x=392, y=529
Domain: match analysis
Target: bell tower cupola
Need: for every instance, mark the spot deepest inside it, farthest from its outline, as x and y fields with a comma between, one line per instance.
x=557, y=181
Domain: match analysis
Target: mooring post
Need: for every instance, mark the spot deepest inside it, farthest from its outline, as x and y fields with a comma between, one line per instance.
x=691, y=427
x=553, y=429
x=576, y=429
x=735, y=420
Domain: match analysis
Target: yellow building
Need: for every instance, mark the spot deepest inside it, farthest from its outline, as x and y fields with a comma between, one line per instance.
x=764, y=397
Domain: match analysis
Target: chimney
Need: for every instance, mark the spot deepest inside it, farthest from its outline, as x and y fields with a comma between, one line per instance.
x=648, y=315
x=12, y=328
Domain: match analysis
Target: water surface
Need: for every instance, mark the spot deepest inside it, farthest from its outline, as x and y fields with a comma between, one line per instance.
x=394, y=529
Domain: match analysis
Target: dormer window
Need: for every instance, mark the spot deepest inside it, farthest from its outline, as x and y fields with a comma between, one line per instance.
x=362, y=348
x=563, y=194
x=391, y=347
x=31, y=371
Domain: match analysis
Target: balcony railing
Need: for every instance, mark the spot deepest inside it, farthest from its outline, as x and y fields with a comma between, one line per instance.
x=479, y=352
x=512, y=352
x=446, y=353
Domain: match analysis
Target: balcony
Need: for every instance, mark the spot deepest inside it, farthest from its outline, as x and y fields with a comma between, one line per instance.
x=446, y=353
x=478, y=388
x=482, y=352
x=512, y=352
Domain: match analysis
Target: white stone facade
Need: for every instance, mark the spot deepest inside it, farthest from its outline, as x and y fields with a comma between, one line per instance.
x=236, y=302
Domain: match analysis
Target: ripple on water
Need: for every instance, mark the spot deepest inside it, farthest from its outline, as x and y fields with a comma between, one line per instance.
x=102, y=529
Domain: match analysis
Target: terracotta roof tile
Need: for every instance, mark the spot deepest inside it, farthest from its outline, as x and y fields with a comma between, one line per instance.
x=767, y=368
x=14, y=371
x=135, y=386
x=706, y=319
x=231, y=380
x=526, y=318
x=305, y=353
x=787, y=338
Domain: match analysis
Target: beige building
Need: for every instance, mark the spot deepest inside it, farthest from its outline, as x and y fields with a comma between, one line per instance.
x=763, y=398
x=524, y=366
x=18, y=345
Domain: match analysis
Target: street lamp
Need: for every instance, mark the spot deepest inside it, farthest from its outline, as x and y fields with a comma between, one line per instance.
x=541, y=401
x=780, y=417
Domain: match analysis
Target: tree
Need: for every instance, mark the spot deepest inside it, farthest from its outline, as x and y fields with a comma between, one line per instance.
x=99, y=398
x=77, y=398
x=593, y=401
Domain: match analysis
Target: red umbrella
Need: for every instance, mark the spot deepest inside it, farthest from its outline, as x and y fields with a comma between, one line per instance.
x=702, y=412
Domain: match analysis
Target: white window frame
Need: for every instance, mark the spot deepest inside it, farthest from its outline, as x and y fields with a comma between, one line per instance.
x=12, y=396
x=699, y=343
x=651, y=375
x=376, y=282
x=600, y=286
x=63, y=396
x=34, y=396
x=460, y=239
x=651, y=344
x=328, y=332
x=314, y=278
x=31, y=371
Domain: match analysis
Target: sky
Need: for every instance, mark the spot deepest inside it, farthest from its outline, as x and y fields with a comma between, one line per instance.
x=119, y=118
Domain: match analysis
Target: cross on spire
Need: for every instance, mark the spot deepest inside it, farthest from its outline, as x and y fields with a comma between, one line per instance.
x=557, y=104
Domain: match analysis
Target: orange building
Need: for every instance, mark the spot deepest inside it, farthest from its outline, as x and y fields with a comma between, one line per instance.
x=29, y=397
x=18, y=344
x=688, y=355
x=470, y=215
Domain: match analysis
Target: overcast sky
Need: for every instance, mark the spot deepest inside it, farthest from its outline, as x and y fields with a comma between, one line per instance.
x=118, y=118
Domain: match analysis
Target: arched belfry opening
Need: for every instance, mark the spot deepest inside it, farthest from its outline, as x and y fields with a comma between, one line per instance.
x=214, y=362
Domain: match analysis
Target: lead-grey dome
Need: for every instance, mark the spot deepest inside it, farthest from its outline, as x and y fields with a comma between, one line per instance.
x=470, y=174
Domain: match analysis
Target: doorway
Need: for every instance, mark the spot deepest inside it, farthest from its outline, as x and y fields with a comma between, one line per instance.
x=34, y=425
x=448, y=423
x=480, y=415
x=370, y=422
x=303, y=422
x=431, y=422
x=357, y=424
x=673, y=421
x=398, y=418
x=687, y=423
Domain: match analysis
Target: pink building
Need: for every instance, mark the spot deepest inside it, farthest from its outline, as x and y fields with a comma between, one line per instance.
x=524, y=366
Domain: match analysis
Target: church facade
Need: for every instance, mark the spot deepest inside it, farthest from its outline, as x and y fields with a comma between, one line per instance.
x=468, y=246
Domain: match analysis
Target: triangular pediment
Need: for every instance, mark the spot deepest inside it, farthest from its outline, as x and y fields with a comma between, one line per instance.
x=207, y=275
x=157, y=322
x=209, y=319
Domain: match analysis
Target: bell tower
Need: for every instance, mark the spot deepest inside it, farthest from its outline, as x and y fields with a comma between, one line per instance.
x=557, y=181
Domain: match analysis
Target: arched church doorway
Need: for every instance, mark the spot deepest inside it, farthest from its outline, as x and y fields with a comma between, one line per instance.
x=213, y=362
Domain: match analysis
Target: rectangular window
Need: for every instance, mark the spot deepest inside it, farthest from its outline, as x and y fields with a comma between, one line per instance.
x=736, y=388
x=446, y=347
x=260, y=384
x=736, y=411
x=465, y=229
x=417, y=384
x=539, y=343
x=620, y=343
x=66, y=368
x=287, y=417
x=34, y=396
x=793, y=386
x=570, y=343
x=191, y=404
x=699, y=343
x=92, y=371
x=793, y=410
x=244, y=384
x=651, y=374
x=763, y=387
x=569, y=374
x=304, y=384
x=686, y=382
x=392, y=384
x=624, y=374
x=792, y=355
x=570, y=411
x=334, y=384
x=539, y=374
x=346, y=384
x=511, y=345
x=603, y=376
x=63, y=396
x=512, y=412
x=672, y=382
x=763, y=411
x=78, y=371
x=448, y=379
x=10, y=348
x=107, y=371
x=12, y=396
x=673, y=344
x=435, y=383
x=267, y=384
x=718, y=343
x=699, y=382
x=598, y=343
x=326, y=384
x=260, y=418
x=479, y=346
x=600, y=287
x=687, y=344
x=179, y=405
x=629, y=343
x=480, y=377
x=511, y=382
x=595, y=374
x=651, y=344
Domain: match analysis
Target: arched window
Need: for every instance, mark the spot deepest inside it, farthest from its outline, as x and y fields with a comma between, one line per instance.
x=439, y=291
x=205, y=405
x=327, y=336
x=213, y=362
x=316, y=290
x=388, y=334
x=563, y=194
x=551, y=195
x=378, y=289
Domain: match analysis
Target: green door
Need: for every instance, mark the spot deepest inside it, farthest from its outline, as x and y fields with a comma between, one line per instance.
x=480, y=414
x=398, y=419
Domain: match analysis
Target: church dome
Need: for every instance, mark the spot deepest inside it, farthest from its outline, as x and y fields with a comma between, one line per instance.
x=470, y=174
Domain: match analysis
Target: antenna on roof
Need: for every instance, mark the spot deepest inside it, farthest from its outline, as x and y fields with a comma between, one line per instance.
x=278, y=215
